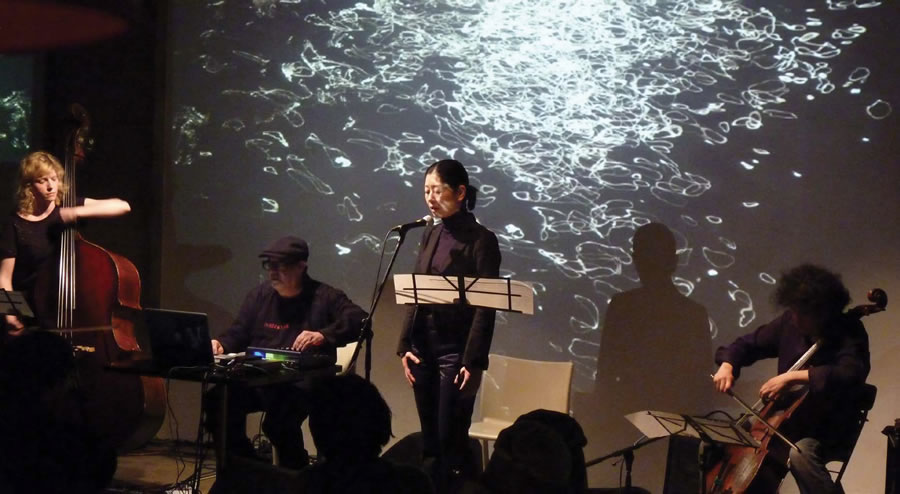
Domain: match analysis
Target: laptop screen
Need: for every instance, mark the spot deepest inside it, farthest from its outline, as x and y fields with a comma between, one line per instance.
x=178, y=338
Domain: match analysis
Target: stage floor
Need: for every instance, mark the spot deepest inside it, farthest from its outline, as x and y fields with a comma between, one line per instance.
x=162, y=466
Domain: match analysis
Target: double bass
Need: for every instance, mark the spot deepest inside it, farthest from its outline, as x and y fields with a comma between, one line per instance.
x=96, y=307
x=760, y=470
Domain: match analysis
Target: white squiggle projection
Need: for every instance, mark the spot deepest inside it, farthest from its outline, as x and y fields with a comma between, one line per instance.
x=300, y=173
x=269, y=205
x=14, y=110
x=547, y=99
x=744, y=301
x=767, y=278
x=369, y=241
x=349, y=209
x=187, y=122
x=576, y=119
x=879, y=110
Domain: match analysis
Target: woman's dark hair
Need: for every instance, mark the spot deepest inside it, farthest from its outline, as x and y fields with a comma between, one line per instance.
x=454, y=174
x=812, y=289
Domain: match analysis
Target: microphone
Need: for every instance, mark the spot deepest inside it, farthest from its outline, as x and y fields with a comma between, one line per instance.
x=425, y=220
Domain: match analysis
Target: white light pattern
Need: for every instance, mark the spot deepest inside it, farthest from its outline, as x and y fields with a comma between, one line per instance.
x=15, y=108
x=575, y=120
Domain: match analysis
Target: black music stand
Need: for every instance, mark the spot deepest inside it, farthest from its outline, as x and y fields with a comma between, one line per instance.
x=490, y=293
x=14, y=303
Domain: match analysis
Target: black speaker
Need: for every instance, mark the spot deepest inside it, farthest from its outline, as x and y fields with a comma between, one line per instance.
x=682, y=466
x=892, y=472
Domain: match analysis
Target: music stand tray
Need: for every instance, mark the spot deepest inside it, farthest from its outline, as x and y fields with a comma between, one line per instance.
x=13, y=302
x=711, y=432
x=660, y=424
x=490, y=293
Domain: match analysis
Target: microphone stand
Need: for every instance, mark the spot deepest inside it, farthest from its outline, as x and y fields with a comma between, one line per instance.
x=365, y=335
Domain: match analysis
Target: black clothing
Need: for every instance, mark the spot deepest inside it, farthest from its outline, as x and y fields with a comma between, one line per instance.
x=32, y=244
x=459, y=246
x=530, y=457
x=445, y=415
x=447, y=338
x=286, y=408
x=268, y=320
x=570, y=431
x=287, y=249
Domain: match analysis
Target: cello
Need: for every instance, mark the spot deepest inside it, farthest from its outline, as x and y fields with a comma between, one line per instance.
x=760, y=470
x=96, y=307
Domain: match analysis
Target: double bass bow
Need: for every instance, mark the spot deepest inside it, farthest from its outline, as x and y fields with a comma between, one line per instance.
x=760, y=470
x=96, y=307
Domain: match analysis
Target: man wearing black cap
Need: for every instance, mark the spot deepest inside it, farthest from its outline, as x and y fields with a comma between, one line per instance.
x=291, y=311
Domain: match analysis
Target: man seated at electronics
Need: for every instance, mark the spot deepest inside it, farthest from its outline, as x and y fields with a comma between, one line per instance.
x=291, y=311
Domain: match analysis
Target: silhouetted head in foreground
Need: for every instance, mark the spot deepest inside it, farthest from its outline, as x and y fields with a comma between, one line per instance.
x=349, y=421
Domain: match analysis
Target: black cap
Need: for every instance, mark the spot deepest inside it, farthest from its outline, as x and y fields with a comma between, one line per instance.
x=287, y=249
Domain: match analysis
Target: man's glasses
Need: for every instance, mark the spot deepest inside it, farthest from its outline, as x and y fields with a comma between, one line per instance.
x=269, y=265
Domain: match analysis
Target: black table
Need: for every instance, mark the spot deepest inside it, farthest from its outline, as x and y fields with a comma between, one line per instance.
x=246, y=373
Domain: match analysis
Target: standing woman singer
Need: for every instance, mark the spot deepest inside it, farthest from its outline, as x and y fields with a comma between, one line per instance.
x=444, y=348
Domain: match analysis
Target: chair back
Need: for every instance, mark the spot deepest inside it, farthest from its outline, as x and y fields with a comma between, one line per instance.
x=344, y=355
x=865, y=400
x=513, y=386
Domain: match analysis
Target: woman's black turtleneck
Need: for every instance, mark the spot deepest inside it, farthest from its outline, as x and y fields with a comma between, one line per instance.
x=448, y=240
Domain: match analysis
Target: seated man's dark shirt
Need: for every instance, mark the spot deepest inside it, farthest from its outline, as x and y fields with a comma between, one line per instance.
x=268, y=320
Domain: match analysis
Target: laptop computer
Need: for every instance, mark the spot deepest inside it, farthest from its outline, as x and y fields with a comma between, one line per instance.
x=177, y=339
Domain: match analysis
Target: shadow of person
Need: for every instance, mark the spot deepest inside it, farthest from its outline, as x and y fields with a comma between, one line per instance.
x=655, y=354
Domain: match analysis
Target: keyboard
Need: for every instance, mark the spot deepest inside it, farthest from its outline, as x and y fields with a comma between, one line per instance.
x=301, y=360
x=226, y=357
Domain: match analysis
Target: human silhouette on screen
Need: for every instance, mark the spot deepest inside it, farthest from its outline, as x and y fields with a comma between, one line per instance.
x=654, y=355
